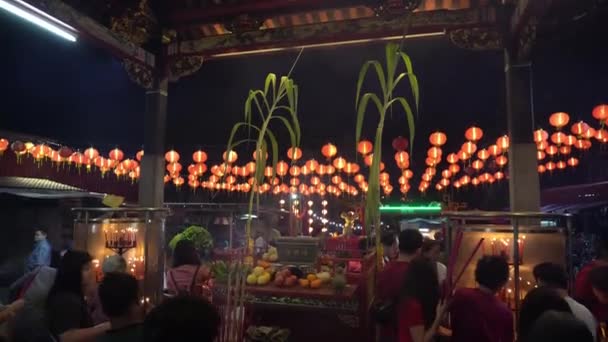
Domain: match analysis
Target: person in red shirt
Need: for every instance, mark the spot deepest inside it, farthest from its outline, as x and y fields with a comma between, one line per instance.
x=419, y=311
x=598, y=278
x=583, y=291
x=390, y=280
x=477, y=314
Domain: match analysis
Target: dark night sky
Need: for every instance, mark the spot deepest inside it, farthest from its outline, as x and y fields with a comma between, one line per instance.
x=80, y=95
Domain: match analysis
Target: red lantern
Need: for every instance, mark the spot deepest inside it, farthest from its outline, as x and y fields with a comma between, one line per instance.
x=551, y=150
x=116, y=154
x=475, y=181
x=199, y=156
x=559, y=120
x=139, y=155
x=477, y=165
x=579, y=128
x=282, y=168
x=438, y=139
x=400, y=143
x=601, y=135
x=434, y=152
x=294, y=171
x=3, y=145
x=573, y=161
x=462, y=155
x=365, y=147
x=336, y=180
x=200, y=169
x=542, y=169
x=501, y=161
x=561, y=165
x=358, y=178
x=503, y=142
x=339, y=163
x=329, y=151
x=473, y=134
x=179, y=181
x=452, y=158
x=454, y=168
x=444, y=182
x=495, y=150
x=550, y=166
x=565, y=150
x=589, y=133
x=91, y=153
x=230, y=157
x=174, y=168
x=351, y=168
x=570, y=140
x=558, y=138
x=469, y=147
x=312, y=165
x=172, y=156
x=408, y=174
x=294, y=153
x=483, y=154
x=540, y=135
x=446, y=174
x=369, y=159
x=541, y=146
x=600, y=112
x=402, y=157
x=540, y=155
x=250, y=167
x=65, y=152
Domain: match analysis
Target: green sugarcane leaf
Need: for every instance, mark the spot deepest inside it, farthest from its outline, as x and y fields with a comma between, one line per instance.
x=410, y=118
x=361, y=79
x=391, y=65
x=412, y=78
x=292, y=134
x=271, y=80
x=275, y=152
x=235, y=129
x=361, y=112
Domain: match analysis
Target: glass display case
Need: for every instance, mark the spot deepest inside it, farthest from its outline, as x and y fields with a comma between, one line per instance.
x=525, y=240
x=137, y=234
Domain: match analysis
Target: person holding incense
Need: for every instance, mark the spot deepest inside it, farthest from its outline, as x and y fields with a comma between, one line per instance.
x=419, y=311
x=583, y=291
x=389, y=283
x=477, y=314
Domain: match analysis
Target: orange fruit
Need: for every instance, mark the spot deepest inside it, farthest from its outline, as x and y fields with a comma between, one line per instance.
x=315, y=284
x=304, y=282
x=311, y=277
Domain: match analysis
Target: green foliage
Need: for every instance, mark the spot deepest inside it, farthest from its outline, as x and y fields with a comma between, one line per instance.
x=200, y=236
x=382, y=103
x=273, y=103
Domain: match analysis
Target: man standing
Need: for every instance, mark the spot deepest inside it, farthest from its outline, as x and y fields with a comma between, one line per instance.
x=554, y=276
x=41, y=255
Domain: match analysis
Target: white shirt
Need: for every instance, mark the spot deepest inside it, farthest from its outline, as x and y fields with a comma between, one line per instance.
x=442, y=272
x=583, y=314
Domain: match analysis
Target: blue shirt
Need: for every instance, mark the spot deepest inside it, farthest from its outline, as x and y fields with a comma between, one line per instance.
x=41, y=256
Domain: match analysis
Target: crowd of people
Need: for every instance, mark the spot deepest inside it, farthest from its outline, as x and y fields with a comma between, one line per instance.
x=419, y=309
x=64, y=302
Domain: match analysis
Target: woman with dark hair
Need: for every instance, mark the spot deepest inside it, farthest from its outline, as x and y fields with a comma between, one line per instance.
x=67, y=314
x=187, y=274
x=535, y=304
x=419, y=311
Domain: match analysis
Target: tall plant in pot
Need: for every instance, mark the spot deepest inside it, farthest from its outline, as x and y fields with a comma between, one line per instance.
x=389, y=79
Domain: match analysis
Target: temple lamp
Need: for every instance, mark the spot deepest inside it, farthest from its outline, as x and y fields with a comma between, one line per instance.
x=39, y=18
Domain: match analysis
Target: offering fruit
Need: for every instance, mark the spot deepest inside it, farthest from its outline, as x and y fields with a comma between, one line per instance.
x=252, y=279
x=324, y=276
x=272, y=255
x=291, y=281
x=258, y=271
x=311, y=277
x=315, y=284
x=279, y=281
x=304, y=282
x=264, y=279
x=264, y=264
x=339, y=281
